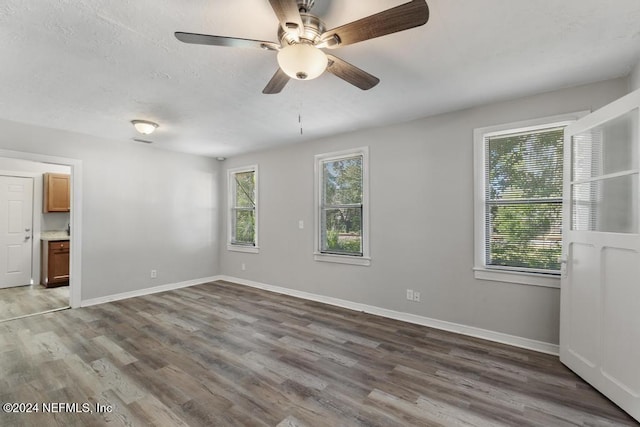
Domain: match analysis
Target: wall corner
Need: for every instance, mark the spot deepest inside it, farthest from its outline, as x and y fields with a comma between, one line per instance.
x=634, y=77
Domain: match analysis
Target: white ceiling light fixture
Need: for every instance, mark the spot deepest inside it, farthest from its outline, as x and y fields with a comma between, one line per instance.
x=145, y=127
x=302, y=61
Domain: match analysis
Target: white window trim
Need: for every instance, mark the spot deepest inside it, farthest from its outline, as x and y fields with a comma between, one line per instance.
x=230, y=189
x=365, y=259
x=480, y=269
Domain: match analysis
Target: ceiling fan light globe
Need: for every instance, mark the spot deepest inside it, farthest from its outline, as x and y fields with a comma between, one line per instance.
x=302, y=61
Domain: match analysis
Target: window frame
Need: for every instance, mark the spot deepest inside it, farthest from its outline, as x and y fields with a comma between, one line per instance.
x=496, y=273
x=365, y=258
x=231, y=198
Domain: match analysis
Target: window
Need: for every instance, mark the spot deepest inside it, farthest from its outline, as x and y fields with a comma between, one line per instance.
x=243, y=218
x=519, y=209
x=342, y=207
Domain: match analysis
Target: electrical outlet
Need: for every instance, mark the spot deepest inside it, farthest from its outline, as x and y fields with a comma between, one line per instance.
x=154, y=274
x=243, y=266
x=409, y=294
x=416, y=296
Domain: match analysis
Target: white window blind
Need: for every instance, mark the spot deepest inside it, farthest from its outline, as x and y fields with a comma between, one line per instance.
x=523, y=200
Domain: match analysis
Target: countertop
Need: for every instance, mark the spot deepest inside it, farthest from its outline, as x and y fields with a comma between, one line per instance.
x=54, y=235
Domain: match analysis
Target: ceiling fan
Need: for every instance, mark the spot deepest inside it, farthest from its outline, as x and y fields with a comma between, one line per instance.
x=303, y=35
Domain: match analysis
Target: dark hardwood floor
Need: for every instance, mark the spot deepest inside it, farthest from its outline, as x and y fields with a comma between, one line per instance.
x=223, y=354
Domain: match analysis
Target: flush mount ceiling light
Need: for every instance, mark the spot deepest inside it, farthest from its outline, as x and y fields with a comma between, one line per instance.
x=144, y=127
x=302, y=61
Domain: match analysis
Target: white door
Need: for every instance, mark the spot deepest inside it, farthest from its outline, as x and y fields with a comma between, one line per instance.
x=16, y=218
x=600, y=294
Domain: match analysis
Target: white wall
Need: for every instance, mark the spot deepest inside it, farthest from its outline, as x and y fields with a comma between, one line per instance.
x=421, y=220
x=142, y=208
x=41, y=221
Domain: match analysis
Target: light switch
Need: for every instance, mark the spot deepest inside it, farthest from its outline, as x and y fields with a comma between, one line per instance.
x=301, y=224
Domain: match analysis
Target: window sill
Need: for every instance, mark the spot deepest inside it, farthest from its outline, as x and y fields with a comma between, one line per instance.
x=246, y=249
x=519, y=278
x=342, y=259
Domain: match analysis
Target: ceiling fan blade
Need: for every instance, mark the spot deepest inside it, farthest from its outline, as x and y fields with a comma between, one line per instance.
x=225, y=41
x=288, y=15
x=408, y=15
x=277, y=83
x=351, y=73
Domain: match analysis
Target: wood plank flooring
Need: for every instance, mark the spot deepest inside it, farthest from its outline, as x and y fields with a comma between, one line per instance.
x=25, y=300
x=221, y=354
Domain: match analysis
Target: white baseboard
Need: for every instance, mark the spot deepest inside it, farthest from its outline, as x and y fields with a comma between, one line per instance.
x=472, y=331
x=148, y=291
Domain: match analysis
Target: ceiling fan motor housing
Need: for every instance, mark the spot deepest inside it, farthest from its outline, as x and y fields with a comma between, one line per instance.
x=305, y=5
x=313, y=28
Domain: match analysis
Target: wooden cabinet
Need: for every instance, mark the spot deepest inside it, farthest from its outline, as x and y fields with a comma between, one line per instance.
x=55, y=263
x=57, y=196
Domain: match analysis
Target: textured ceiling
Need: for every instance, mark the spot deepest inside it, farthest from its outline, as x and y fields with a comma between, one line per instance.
x=91, y=66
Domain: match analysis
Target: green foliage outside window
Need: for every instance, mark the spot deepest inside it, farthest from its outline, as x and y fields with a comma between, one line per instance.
x=245, y=227
x=524, y=206
x=342, y=206
x=244, y=224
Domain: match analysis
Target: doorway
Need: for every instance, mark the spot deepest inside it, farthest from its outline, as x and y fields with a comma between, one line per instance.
x=21, y=299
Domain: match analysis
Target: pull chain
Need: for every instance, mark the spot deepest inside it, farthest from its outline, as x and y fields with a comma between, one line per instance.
x=300, y=106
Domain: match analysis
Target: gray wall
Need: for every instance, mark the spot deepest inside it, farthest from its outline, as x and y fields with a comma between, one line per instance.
x=421, y=219
x=145, y=209
x=142, y=208
x=634, y=78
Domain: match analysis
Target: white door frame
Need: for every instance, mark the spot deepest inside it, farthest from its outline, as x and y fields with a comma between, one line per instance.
x=75, y=279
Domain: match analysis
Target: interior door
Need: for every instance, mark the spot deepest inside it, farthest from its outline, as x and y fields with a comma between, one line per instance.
x=600, y=293
x=16, y=218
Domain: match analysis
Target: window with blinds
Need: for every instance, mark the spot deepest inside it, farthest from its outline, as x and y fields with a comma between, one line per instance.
x=523, y=200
